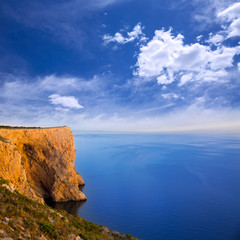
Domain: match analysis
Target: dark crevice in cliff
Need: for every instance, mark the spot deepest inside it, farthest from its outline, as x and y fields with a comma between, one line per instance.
x=81, y=187
x=46, y=192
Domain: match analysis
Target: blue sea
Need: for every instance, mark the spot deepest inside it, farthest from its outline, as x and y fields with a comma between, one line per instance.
x=161, y=186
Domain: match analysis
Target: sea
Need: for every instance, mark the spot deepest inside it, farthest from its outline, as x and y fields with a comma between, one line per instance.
x=161, y=186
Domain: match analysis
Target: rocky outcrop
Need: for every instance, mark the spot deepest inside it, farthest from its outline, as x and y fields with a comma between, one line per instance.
x=40, y=163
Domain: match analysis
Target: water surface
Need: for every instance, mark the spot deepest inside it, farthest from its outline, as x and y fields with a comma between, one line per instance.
x=162, y=186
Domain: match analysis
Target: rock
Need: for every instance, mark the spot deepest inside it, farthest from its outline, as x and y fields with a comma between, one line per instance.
x=78, y=238
x=9, y=186
x=52, y=221
x=9, y=219
x=115, y=233
x=42, y=238
x=105, y=229
x=26, y=235
x=11, y=169
x=40, y=163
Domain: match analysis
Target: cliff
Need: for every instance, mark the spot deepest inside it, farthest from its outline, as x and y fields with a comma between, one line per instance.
x=40, y=163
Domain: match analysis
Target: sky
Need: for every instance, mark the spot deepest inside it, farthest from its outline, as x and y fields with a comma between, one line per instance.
x=121, y=65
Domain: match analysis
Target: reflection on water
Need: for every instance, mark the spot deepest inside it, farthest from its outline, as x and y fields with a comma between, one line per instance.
x=71, y=206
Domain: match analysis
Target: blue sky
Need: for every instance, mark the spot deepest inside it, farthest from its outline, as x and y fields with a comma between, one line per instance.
x=121, y=65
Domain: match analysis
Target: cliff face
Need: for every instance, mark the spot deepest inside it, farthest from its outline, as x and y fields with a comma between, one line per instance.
x=40, y=163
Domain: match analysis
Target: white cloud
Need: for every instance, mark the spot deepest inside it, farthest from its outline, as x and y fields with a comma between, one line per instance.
x=186, y=78
x=66, y=84
x=168, y=59
x=219, y=76
x=223, y=57
x=203, y=12
x=158, y=53
x=53, y=83
x=234, y=28
x=193, y=57
x=232, y=15
x=238, y=67
x=152, y=117
x=39, y=87
x=170, y=96
x=136, y=33
x=216, y=39
x=118, y=37
x=199, y=38
x=231, y=12
x=163, y=79
x=65, y=101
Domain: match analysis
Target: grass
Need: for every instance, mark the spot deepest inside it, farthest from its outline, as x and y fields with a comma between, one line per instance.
x=22, y=218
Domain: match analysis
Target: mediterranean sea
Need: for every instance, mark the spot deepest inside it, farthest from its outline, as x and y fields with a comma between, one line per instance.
x=161, y=186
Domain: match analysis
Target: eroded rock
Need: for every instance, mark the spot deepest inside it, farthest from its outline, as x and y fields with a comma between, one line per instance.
x=40, y=163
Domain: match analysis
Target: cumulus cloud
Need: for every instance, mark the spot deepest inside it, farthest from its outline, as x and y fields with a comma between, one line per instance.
x=65, y=101
x=164, y=80
x=216, y=39
x=136, y=33
x=186, y=78
x=167, y=59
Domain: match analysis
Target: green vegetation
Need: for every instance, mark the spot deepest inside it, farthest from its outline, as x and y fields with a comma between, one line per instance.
x=3, y=181
x=22, y=127
x=48, y=229
x=22, y=218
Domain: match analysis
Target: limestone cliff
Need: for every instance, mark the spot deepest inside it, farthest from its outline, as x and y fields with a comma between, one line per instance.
x=40, y=163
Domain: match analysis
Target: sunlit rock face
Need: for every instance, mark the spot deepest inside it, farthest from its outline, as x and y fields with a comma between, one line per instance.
x=40, y=163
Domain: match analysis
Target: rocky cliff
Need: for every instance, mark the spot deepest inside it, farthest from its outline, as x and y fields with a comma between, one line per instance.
x=40, y=163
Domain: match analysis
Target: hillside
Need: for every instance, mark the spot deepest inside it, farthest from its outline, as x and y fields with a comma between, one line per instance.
x=23, y=218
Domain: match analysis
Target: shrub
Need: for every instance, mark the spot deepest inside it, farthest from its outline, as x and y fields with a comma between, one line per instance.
x=48, y=229
x=84, y=237
x=3, y=181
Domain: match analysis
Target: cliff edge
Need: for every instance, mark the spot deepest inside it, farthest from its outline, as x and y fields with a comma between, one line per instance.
x=40, y=163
